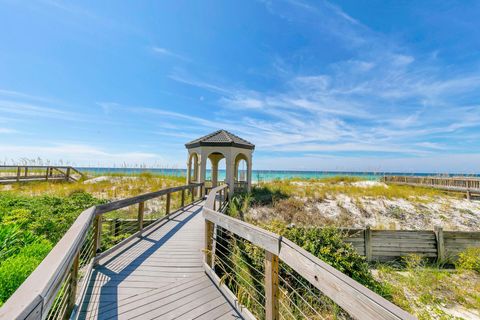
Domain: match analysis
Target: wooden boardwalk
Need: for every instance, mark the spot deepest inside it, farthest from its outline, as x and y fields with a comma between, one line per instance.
x=160, y=276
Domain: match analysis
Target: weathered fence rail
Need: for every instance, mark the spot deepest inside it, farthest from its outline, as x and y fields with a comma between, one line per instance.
x=459, y=184
x=387, y=245
x=291, y=283
x=57, y=286
x=12, y=174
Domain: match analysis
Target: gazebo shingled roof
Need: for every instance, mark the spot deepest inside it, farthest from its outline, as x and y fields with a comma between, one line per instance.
x=220, y=138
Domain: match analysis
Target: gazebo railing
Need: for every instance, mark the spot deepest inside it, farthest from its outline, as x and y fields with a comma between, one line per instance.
x=267, y=276
x=57, y=286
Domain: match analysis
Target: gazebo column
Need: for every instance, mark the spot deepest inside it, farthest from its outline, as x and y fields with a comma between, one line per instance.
x=237, y=163
x=249, y=174
x=230, y=166
x=214, y=160
x=202, y=162
x=188, y=171
x=214, y=173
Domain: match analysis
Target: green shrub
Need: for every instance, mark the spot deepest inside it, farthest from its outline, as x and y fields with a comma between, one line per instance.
x=14, y=270
x=328, y=245
x=47, y=216
x=469, y=259
x=13, y=239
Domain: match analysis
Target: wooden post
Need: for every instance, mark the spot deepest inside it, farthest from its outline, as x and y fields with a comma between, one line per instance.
x=271, y=287
x=18, y=174
x=440, y=243
x=98, y=234
x=141, y=210
x=208, y=242
x=46, y=175
x=26, y=171
x=183, y=198
x=73, y=285
x=193, y=194
x=116, y=227
x=368, y=243
x=167, y=205
x=67, y=175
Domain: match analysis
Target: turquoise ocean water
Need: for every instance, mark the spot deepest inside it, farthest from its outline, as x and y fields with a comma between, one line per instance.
x=260, y=175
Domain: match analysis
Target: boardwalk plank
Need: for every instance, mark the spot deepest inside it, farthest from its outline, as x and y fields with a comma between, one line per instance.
x=159, y=276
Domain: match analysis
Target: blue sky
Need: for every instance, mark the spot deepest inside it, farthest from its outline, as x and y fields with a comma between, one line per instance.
x=341, y=85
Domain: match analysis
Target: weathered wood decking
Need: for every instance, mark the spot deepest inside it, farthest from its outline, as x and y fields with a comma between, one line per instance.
x=159, y=276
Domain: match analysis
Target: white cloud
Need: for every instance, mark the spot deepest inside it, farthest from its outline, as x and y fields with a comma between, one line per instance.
x=79, y=154
x=7, y=130
x=166, y=52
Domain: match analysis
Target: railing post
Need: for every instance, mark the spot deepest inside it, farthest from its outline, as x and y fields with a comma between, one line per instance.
x=18, y=174
x=98, y=233
x=271, y=286
x=67, y=174
x=141, y=210
x=440, y=243
x=193, y=194
x=183, y=198
x=368, y=243
x=46, y=175
x=73, y=285
x=167, y=205
x=26, y=171
x=208, y=241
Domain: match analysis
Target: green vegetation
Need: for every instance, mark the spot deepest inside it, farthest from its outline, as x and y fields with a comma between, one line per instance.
x=430, y=291
x=469, y=260
x=111, y=186
x=29, y=228
x=241, y=264
x=427, y=290
x=323, y=188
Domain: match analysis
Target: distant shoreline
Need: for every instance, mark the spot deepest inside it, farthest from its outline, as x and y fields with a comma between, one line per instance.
x=269, y=175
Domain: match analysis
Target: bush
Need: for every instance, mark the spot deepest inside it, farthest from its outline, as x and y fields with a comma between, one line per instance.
x=328, y=245
x=13, y=239
x=14, y=270
x=46, y=216
x=469, y=259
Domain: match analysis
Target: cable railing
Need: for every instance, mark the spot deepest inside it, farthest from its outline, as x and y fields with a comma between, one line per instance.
x=266, y=276
x=57, y=286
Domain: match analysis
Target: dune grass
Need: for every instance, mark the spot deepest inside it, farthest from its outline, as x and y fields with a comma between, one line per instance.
x=430, y=291
x=323, y=188
x=114, y=186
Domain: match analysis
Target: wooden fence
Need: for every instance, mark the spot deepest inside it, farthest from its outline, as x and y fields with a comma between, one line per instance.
x=460, y=184
x=387, y=245
x=12, y=174
x=378, y=245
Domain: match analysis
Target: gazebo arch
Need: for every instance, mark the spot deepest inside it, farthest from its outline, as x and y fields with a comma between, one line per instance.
x=215, y=158
x=192, y=172
x=216, y=146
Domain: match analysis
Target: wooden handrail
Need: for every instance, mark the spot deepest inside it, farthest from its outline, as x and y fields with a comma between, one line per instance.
x=46, y=172
x=359, y=301
x=34, y=298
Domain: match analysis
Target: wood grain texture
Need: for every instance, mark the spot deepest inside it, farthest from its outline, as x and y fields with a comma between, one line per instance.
x=159, y=276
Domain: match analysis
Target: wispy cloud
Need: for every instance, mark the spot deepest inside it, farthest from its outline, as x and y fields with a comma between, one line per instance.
x=80, y=154
x=165, y=52
x=382, y=98
x=7, y=130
